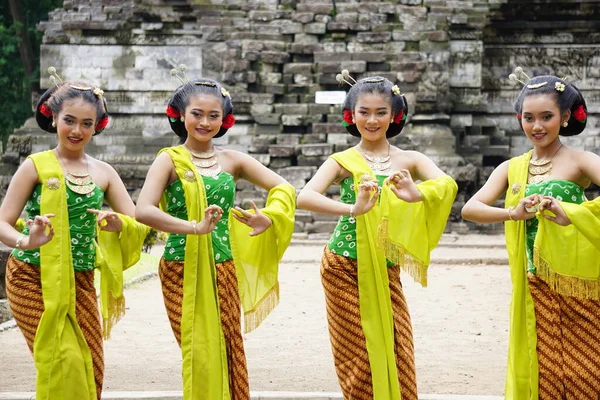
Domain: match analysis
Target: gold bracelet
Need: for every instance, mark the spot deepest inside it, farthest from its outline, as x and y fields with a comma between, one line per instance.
x=19, y=240
x=510, y=209
x=352, y=210
x=194, y=222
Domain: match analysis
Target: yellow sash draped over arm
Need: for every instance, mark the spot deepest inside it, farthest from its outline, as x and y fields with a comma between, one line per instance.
x=205, y=374
x=257, y=257
x=117, y=251
x=411, y=248
x=567, y=258
x=62, y=357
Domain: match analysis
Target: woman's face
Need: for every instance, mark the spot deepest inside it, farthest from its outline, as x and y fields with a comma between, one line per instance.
x=541, y=119
x=372, y=116
x=203, y=117
x=75, y=123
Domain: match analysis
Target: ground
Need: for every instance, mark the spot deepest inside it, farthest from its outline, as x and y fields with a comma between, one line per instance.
x=460, y=324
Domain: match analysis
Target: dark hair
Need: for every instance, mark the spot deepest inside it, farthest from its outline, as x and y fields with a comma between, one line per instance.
x=568, y=99
x=183, y=95
x=51, y=102
x=381, y=86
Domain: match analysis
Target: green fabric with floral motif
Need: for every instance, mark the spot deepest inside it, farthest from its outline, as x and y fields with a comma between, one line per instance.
x=220, y=191
x=82, y=225
x=343, y=239
x=561, y=190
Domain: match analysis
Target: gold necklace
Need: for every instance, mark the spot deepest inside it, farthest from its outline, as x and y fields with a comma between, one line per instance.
x=202, y=154
x=540, y=169
x=78, y=182
x=379, y=164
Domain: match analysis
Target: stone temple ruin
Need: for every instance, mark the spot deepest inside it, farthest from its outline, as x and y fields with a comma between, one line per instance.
x=450, y=58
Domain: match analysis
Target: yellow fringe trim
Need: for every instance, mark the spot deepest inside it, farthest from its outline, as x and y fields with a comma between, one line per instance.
x=573, y=286
x=253, y=318
x=399, y=255
x=116, y=311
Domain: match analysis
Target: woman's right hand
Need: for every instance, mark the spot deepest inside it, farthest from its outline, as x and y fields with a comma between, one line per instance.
x=40, y=232
x=368, y=192
x=212, y=215
x=520, y=212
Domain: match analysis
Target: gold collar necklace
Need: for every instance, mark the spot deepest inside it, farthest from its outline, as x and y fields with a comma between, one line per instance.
x=540, y=169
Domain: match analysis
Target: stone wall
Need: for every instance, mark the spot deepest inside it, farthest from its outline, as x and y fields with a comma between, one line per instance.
x=450, y=58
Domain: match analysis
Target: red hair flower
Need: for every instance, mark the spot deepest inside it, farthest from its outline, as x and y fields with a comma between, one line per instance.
x=348, y=117
x=228, y=121
x=45, y=110
x=172, y=112
x=519, y=117
x=101, y=124
x=399, y=117
x=580, y=114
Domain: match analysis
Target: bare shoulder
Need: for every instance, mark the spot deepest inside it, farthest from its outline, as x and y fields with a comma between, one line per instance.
x=102, y=166
x=28, y=171
x=412, y=157
x=234, y=154
x=582, y=157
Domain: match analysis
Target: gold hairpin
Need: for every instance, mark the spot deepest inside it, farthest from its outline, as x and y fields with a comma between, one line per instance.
x=54, y=78
x=375, y=79
x=515, y=76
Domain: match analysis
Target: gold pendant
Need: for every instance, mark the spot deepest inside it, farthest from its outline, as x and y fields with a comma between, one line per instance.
x=541, y=161
x=516, y=188
x=537, y=178
x=205, y=164
x=211, y=173
x=79, y=179
x=540, y=170
x=80, y=189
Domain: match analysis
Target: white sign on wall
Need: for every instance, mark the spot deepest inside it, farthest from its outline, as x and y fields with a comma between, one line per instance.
x=330, y=97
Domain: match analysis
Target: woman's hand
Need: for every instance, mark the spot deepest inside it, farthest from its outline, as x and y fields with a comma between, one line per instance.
x=107, y=220
x=258, y=221
x=40, y=232
x=403, y=186
x=552, y=205
x=212, y=215
x=526, y=208
x=368, y=193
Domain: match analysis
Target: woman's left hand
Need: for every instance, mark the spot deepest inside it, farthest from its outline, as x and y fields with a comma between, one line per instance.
x=107, y=220
x=258, y=221
x=403, y=186
x=551, y=204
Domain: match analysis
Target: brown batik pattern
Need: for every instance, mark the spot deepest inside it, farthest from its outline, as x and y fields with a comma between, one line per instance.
x=348, y=343
x=171, y=277
x=568, y=344
x=24, y=293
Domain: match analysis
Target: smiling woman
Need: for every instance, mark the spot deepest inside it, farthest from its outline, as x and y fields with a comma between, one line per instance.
x=218, y=258
x=369, y=323
x=50, y=274
x=553, y=242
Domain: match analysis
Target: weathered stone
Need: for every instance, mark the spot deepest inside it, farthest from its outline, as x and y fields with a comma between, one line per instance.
x=316, y=8
x=274, y=57
x=316, y=149
x=315, y=28
x=377, y=37
x=303, y=17
x=292, y=120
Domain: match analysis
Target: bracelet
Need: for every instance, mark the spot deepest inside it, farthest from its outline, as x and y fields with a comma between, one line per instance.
x=19, y=240
x=194, y=222
x=352, y=211
x=510, y=209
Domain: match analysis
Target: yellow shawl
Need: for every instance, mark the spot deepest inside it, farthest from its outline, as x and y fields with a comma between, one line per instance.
x=404, y=247
x=205, y=374
x=567, y=258
x=62, y=358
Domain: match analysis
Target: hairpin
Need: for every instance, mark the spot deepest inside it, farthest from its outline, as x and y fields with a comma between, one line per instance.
x=374, y=79
x=54, y=78
x=559, y=86
x=183, y=77
x=396, y=90
x=345, y=77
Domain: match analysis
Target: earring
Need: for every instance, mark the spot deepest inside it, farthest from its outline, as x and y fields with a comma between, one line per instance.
x=182, y=119
x=565, y=124
x=54, y=123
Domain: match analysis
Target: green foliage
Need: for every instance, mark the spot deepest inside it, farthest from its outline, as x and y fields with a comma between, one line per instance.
x=15, y=99
x=152, y=238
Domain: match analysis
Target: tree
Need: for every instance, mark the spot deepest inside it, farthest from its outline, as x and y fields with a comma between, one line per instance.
x=19, y=59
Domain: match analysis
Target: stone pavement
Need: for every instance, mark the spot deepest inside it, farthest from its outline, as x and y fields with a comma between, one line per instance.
x=460, y=323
